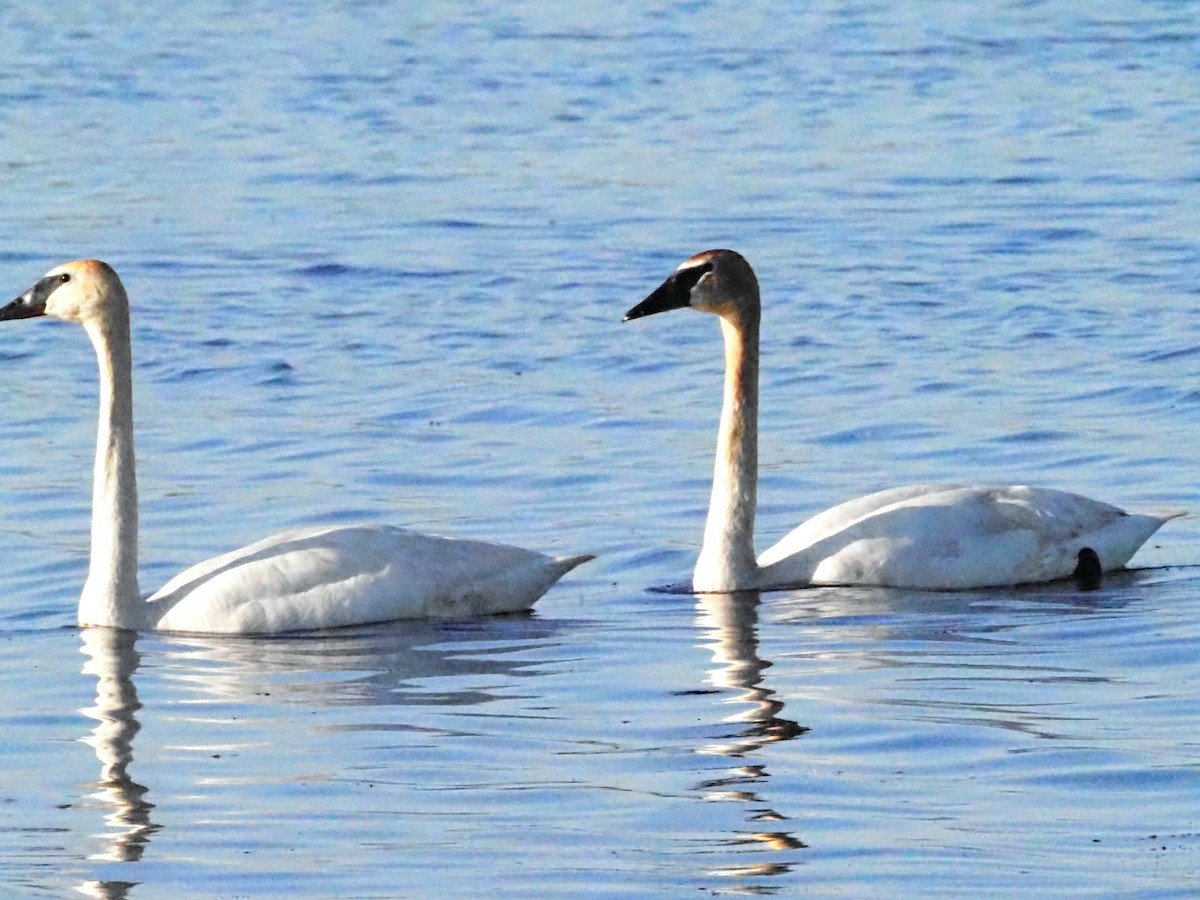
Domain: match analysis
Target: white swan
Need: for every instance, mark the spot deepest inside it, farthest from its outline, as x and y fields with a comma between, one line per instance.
x=308, y=578
x=942, y=537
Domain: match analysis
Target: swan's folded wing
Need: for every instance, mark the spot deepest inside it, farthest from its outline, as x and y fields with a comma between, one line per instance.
x=332, y=577
x=945, y=537
x=837, y=518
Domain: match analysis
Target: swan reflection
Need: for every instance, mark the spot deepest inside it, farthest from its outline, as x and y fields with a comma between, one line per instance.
x=730, y=624
x=419, y=664
x=416, y=663
x=112, y=657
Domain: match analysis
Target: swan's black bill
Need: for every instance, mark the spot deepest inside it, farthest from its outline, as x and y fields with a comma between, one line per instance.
x=33, y=302
x=674, y=293
x=27, y=306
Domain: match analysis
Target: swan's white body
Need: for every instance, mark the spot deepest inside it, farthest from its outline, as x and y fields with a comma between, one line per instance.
x=954, y=537
x=937, y=537
x=309, y=578
x=312, y=578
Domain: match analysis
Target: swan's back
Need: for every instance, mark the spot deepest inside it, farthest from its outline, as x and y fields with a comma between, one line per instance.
x=315, y=578
x=947, y=537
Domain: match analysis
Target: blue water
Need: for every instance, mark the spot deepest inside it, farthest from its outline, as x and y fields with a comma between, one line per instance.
x=378, y=258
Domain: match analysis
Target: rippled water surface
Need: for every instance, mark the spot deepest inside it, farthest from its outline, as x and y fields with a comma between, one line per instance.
x=378, y=259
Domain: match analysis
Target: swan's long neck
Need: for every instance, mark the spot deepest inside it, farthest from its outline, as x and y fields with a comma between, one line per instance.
x=110, y=596
x=727, y=560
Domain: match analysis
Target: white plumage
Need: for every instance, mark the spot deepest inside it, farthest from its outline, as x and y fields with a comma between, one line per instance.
x=945, y=537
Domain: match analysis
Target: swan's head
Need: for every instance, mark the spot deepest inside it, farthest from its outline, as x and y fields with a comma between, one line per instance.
x=81, y=291
x=715, y=281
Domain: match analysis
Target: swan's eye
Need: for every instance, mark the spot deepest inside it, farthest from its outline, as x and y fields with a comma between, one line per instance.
x=64, y=278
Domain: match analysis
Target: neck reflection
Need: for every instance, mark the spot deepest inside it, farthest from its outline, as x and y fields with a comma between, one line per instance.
x=731, y=624
x=113, y=658
x=730, y=621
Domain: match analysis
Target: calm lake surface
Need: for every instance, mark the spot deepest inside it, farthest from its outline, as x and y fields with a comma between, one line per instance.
x=378, y=258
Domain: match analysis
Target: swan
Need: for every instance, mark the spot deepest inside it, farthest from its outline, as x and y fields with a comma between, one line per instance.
x=303, y=579
x=924, y=536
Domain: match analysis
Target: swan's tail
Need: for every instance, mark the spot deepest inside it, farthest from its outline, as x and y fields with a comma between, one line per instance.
x=1166, y=515
x=1121, y=539
x=565, y=564
x=548, y=573
x=517, y=589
